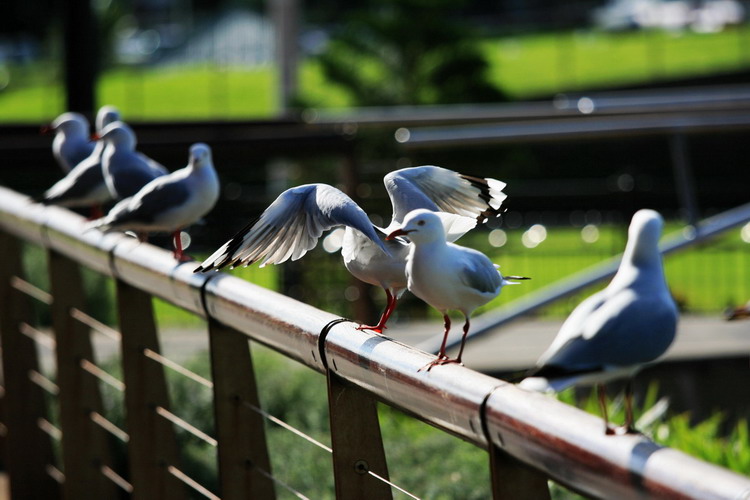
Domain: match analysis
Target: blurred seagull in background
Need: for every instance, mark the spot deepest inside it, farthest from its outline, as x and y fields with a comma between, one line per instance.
x=72, y=143
x=447, y=276
x=125, y=170
x=169, y=203
x=84, y=185
x=738, y=312
x=613, y=333
x=293, y=223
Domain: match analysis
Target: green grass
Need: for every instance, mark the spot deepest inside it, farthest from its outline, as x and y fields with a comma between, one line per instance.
x=531, y=65
x=523, y=66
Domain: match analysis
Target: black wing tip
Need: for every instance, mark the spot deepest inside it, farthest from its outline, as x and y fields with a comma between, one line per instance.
x=478, y=181
x=213, y=266
x=484, y=194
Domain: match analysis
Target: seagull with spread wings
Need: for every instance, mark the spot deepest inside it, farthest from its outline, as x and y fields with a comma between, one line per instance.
x=293, y=223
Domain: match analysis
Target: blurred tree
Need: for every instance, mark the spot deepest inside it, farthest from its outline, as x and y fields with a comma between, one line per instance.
x=408, y=52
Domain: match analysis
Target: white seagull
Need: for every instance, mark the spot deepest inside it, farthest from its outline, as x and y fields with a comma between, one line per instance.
x=447, y=276
x=615, y=332
x=294, y=222
x=125, y=170
x=84, y=185
x=169, y=203
x=72, y=143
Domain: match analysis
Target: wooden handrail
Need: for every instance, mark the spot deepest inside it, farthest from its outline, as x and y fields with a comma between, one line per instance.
x=552, y=439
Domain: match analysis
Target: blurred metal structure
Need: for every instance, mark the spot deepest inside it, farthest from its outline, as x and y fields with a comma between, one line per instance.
x=529, y=437
x=715, y=98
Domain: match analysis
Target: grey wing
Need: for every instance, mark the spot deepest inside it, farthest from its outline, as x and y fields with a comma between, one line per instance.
x=573, y=326
x=130, y=179
x=440, y=189
x=79, y=153
x=291, y=226
x=154, y=198
x=156, y=169
x=479, y=272
x=79, y=183
x=627, y=329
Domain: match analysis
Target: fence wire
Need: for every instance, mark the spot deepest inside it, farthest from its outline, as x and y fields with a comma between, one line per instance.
x=176, y=367
x=185, y=425
x=102, y=375
x=108, y=426
x=95, y=324
x=317, y=443
x=117, y=479
x=187, y=480
x=32, y=291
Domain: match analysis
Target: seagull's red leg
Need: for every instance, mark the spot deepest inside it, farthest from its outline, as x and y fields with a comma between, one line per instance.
x=389, y=310
x=463, y=340
x=178, y=254
x=629, y=426
x=441, y=358
x=389, y=307
x=96, y=212
x=447, y=325
x=602, y=393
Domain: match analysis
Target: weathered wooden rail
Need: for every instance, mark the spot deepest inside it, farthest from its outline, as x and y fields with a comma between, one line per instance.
x=529, y=437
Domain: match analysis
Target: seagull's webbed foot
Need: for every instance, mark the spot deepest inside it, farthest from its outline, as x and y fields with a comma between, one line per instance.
x=376, y=328
x=183, y=257
x=440, y=360
x=627, y=429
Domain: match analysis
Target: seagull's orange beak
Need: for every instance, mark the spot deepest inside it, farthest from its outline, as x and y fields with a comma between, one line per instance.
x=397, y=232
x=95, y=137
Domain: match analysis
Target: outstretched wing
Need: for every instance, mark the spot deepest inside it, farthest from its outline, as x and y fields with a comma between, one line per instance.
x=440, y=189
x=291, y=226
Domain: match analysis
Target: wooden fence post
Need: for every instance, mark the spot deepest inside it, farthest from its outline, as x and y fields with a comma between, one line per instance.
x=356, y=442
x=84, y=445
x=28, y=450
x=240, y=433
x=152, y=446
x=514, y=480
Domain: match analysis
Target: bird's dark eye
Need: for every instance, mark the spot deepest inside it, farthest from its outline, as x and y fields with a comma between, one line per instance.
x=420, y=223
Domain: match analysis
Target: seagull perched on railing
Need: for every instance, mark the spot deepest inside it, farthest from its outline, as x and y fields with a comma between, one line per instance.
x=169, y=203
x=294, y=222
x=72, y=143
x=125, y=170
x=615, y=332
x=737, y=312
x=447, y=276
x=84, y=185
